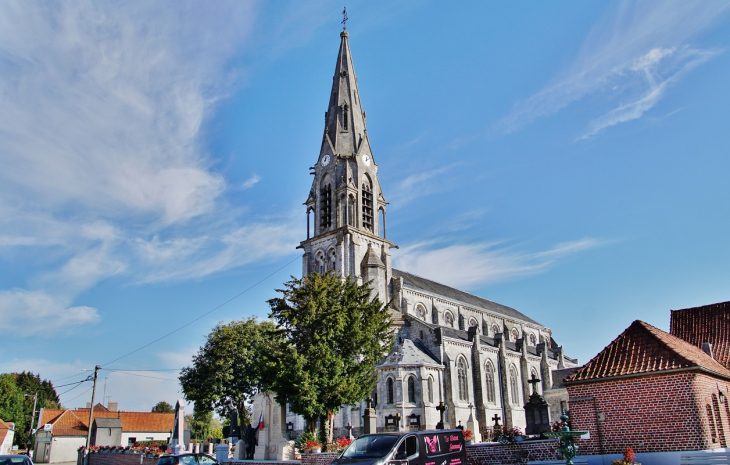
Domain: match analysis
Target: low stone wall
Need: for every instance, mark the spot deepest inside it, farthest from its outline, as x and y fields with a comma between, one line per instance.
x=324, y=458
x=493, y=453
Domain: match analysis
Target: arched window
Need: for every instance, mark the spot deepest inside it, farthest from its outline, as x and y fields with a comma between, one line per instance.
x=325, y=207
x=713, y=430
x=320, y=263
x=333, y=259
x=345, y=109
x=513, y=386
x=489, y=370
x=461, y=375
x=449, y=319
x=473, y=322
x=495, y=330
x=421, y=312
x=411, y=389
x=389, y=387
x=429, y=386
x=515, y=334
x=367, y=204
x=533, y=339
x=351, y=209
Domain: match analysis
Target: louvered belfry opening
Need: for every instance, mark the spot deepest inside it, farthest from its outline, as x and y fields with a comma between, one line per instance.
x=325, y=206
x=367, y=207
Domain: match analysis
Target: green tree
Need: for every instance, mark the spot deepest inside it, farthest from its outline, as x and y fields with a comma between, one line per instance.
x=228, y=370
x=31, y=384
x=163, y=407
x=334, y=335
x=201, y=423
x=11, y=402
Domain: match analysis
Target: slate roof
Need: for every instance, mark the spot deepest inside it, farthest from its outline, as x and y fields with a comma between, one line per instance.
x=708, y=323
x=426, y=285
x=408, y=353
x=644, y=349
x=107, y=422
x=560, y=375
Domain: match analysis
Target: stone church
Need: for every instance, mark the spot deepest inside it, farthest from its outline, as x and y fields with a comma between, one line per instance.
x=474, y=355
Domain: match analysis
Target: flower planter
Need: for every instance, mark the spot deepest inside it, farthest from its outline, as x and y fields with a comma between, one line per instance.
x=317, y=450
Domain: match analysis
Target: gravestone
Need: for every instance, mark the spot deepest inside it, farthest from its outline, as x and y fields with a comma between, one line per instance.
x=537, y=411
x=369, y=419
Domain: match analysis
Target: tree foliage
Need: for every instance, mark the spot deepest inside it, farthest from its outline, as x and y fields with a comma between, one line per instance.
x=334, y=335
x=163, y=407
x=12, y=402
x=30, y=384
x=229, y=369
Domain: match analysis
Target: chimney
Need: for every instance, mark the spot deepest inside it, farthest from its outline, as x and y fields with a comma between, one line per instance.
x=88, y=405
x=707, y=348
x=112, y=406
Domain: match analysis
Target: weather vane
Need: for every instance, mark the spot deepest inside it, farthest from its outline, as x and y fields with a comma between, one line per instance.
x=344, y=19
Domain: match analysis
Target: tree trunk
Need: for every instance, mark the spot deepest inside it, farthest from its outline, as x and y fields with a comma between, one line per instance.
x=312, y=425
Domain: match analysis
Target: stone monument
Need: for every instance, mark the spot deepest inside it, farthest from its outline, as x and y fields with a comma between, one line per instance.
x=177, y=441
x=537, y=411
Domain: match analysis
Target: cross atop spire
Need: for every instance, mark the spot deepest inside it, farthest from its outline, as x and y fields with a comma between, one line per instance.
x=344, y=19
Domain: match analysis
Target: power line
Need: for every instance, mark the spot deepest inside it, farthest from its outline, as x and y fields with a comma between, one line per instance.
x=203, y=315
x=77, y=385
x=141, y=376
x=67, y=377
x=133, y=369
x=74, y=398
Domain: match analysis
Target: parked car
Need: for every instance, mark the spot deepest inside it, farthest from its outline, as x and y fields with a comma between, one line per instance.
x=186, y=459
x=15, y=460
x=412, y=448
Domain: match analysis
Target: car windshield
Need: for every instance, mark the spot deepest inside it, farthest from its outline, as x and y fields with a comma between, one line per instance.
x=370, y=447
x=15, y=460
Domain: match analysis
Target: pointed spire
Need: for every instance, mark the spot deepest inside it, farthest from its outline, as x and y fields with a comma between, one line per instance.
x=345, y=119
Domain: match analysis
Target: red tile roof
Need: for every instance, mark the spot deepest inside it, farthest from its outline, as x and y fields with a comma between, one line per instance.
x=131, y=421
x=5, y=428
x=644, y=349
x=709, y=323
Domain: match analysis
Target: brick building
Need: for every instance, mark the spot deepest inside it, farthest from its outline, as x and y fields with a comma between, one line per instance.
x=650, y=391
x=709, y=324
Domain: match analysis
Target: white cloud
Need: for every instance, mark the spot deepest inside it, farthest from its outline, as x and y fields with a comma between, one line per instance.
x=250, y=182
x=469, y=265
x=419, y=184
x=634, y=52
x=36, y=312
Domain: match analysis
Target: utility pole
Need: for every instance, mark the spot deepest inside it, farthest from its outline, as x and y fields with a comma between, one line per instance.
x=32, y=419
x=91, y=411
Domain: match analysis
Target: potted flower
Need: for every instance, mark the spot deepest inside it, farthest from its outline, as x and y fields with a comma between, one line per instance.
x=629, y=458
x=468, y=436
x=313, y=446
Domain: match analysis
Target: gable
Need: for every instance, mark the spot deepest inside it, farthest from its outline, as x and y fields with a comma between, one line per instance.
x=644, y=349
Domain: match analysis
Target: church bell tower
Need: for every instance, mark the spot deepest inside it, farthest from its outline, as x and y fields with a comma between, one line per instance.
x=346, y=208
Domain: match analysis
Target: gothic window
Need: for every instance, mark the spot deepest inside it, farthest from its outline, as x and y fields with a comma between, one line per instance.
x=515, y=334
x=461, y=376
x=389, y=390
x=367, y=205
x=533, y=339
x=320, y=264
x=473, y=322
x=489, y=369
x=333, y=259
x=325, y=207
x=351, y=210
x=495, y=330
x=449, y=319
x=421, y=312
x=430, y=389
x=513, y=386
x=411, y=390
x=345, y=109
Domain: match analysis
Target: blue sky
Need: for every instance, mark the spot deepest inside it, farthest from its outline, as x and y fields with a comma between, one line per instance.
x=568, y=159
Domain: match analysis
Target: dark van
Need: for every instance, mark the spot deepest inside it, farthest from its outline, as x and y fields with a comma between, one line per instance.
x=437, y=447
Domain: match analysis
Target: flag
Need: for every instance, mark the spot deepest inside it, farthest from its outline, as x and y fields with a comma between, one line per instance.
x=261, y=421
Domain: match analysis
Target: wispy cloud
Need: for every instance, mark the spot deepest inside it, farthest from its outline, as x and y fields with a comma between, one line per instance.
x=250, y=182
x=419, y=184
x=634, y=53
x=36, y=312
x=469, y=265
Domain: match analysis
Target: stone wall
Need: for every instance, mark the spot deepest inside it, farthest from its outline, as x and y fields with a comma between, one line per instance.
x=108, y=458
x=659, y=413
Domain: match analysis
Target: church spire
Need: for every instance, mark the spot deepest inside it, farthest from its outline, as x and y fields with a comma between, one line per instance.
x=345, y=130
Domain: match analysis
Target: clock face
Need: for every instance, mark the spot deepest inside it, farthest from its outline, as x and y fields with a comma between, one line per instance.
x=325, y=160
x=366, y=159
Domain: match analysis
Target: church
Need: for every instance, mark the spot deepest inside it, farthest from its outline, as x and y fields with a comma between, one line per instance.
x=476, y=356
